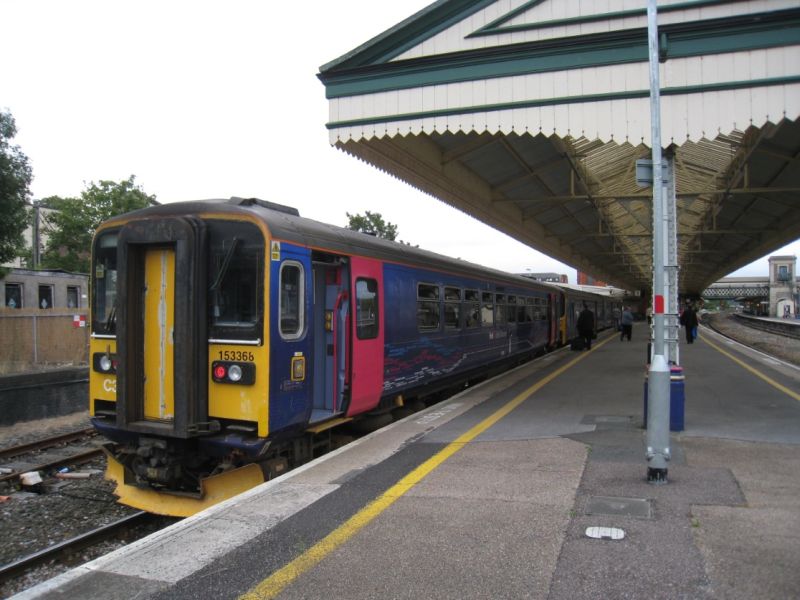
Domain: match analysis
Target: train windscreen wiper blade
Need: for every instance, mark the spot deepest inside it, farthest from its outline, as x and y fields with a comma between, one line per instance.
x=223, y=268
x=111, y=321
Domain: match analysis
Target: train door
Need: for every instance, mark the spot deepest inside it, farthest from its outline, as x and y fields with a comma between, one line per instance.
x=367, y=335
x=331, y=342
x=161, y=329
x=552, y=320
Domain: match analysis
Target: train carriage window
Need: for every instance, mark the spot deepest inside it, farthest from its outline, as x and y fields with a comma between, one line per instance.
x=524, y=313
x=530, y=309
x=472, y=308
x=104, y=284
x=366, y=309
x=427, y=307
x=14, y=295
x=73, y=297
x=500, y=309
x=45, y=296
x=452, y=308
x=291, y=300
x=539, y=309
x=511, y=312
x=487, y=309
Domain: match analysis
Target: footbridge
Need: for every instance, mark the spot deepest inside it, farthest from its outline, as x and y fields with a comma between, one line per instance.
x=733, y=288
x=530, y=115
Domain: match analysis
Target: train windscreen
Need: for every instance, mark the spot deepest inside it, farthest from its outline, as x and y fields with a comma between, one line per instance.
x=235, y=277
x=104, y=284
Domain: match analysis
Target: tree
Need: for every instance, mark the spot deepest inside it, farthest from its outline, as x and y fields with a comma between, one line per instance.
x=15, y=181
x=71, y=226
x=373, y=224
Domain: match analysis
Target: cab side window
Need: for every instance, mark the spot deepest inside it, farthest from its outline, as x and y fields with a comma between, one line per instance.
x=291, y=301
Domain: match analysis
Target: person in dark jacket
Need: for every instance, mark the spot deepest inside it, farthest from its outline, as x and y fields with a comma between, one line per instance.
x=586, y=326
x=627, y=324
x=689, y=321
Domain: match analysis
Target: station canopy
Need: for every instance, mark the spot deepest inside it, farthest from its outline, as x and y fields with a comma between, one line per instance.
x=530, y=115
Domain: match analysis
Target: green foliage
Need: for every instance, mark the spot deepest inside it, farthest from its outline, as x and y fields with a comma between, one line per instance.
x=71, y=228
x=15, y=181
x=373, y=224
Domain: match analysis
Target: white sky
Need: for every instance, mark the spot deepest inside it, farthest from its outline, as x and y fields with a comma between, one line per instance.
x=208, y=99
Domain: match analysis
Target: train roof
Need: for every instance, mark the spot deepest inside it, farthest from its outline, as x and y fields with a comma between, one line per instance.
x=286, y=224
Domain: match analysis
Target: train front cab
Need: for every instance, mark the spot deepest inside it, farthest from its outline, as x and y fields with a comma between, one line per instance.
x=185, y=362
x=177, y=357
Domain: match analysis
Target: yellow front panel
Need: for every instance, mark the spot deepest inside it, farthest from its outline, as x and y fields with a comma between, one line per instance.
x=102, y=386
x=241, y=402
x=159, y=326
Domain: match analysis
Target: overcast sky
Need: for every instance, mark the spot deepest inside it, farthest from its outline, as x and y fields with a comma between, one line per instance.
x=216, y=99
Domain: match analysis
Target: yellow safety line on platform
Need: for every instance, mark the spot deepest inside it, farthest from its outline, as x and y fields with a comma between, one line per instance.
x=272, y=586
x=755, y=372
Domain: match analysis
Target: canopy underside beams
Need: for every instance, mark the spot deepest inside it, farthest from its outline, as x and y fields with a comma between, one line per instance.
x=577, y=200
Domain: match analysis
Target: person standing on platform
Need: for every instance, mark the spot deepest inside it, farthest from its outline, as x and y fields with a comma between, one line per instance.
x=627, y=324
x=689, y=321
x=586, y=326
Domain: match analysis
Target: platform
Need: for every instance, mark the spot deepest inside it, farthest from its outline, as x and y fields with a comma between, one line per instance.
x=489, y=495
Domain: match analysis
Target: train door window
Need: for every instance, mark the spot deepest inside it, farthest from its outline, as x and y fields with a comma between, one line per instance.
x=472, y=308
x=14, y=295
x=73, y=297
x=500, y=309
x=487, y=309
x=104, y=283
x=366, y=309
x=427, y=307
x=290, y=303
x=45, y=296
x=452, y=307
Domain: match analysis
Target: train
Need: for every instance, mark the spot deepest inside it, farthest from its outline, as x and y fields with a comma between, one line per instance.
x=231, y=338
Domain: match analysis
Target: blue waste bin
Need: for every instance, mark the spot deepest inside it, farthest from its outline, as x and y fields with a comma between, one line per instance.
x=677, y=398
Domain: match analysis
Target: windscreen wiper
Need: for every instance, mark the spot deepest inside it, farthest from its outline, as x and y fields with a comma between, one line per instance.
x=223, y=268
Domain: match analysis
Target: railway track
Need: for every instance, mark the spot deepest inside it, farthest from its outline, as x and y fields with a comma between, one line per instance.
x=788, y=328
x=47, y=454
x=776, y=345
x=69, y=548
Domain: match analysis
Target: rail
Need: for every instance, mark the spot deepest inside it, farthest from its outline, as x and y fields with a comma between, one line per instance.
x=70, y=546
x=786, y=327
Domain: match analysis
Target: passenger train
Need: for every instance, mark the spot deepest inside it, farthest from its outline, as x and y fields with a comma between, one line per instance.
x=229, y=338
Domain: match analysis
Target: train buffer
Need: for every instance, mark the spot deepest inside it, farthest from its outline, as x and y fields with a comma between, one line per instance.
x=493, y=492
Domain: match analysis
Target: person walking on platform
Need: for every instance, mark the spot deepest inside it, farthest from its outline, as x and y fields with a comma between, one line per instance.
x=689, y=321
x=627, y=324
x=586, y=326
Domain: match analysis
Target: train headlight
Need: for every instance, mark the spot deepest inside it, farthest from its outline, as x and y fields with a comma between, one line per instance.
x=235, y=373
x=241, y=373
x=105, y=363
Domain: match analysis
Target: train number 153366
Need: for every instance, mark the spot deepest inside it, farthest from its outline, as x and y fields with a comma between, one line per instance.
x=236, y=355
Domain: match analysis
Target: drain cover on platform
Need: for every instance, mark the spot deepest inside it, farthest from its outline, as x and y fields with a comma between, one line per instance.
x=628, y=507
x=605, y=533
x=606, y=420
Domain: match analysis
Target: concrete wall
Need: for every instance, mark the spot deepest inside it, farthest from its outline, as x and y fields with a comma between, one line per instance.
x=43, y=395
